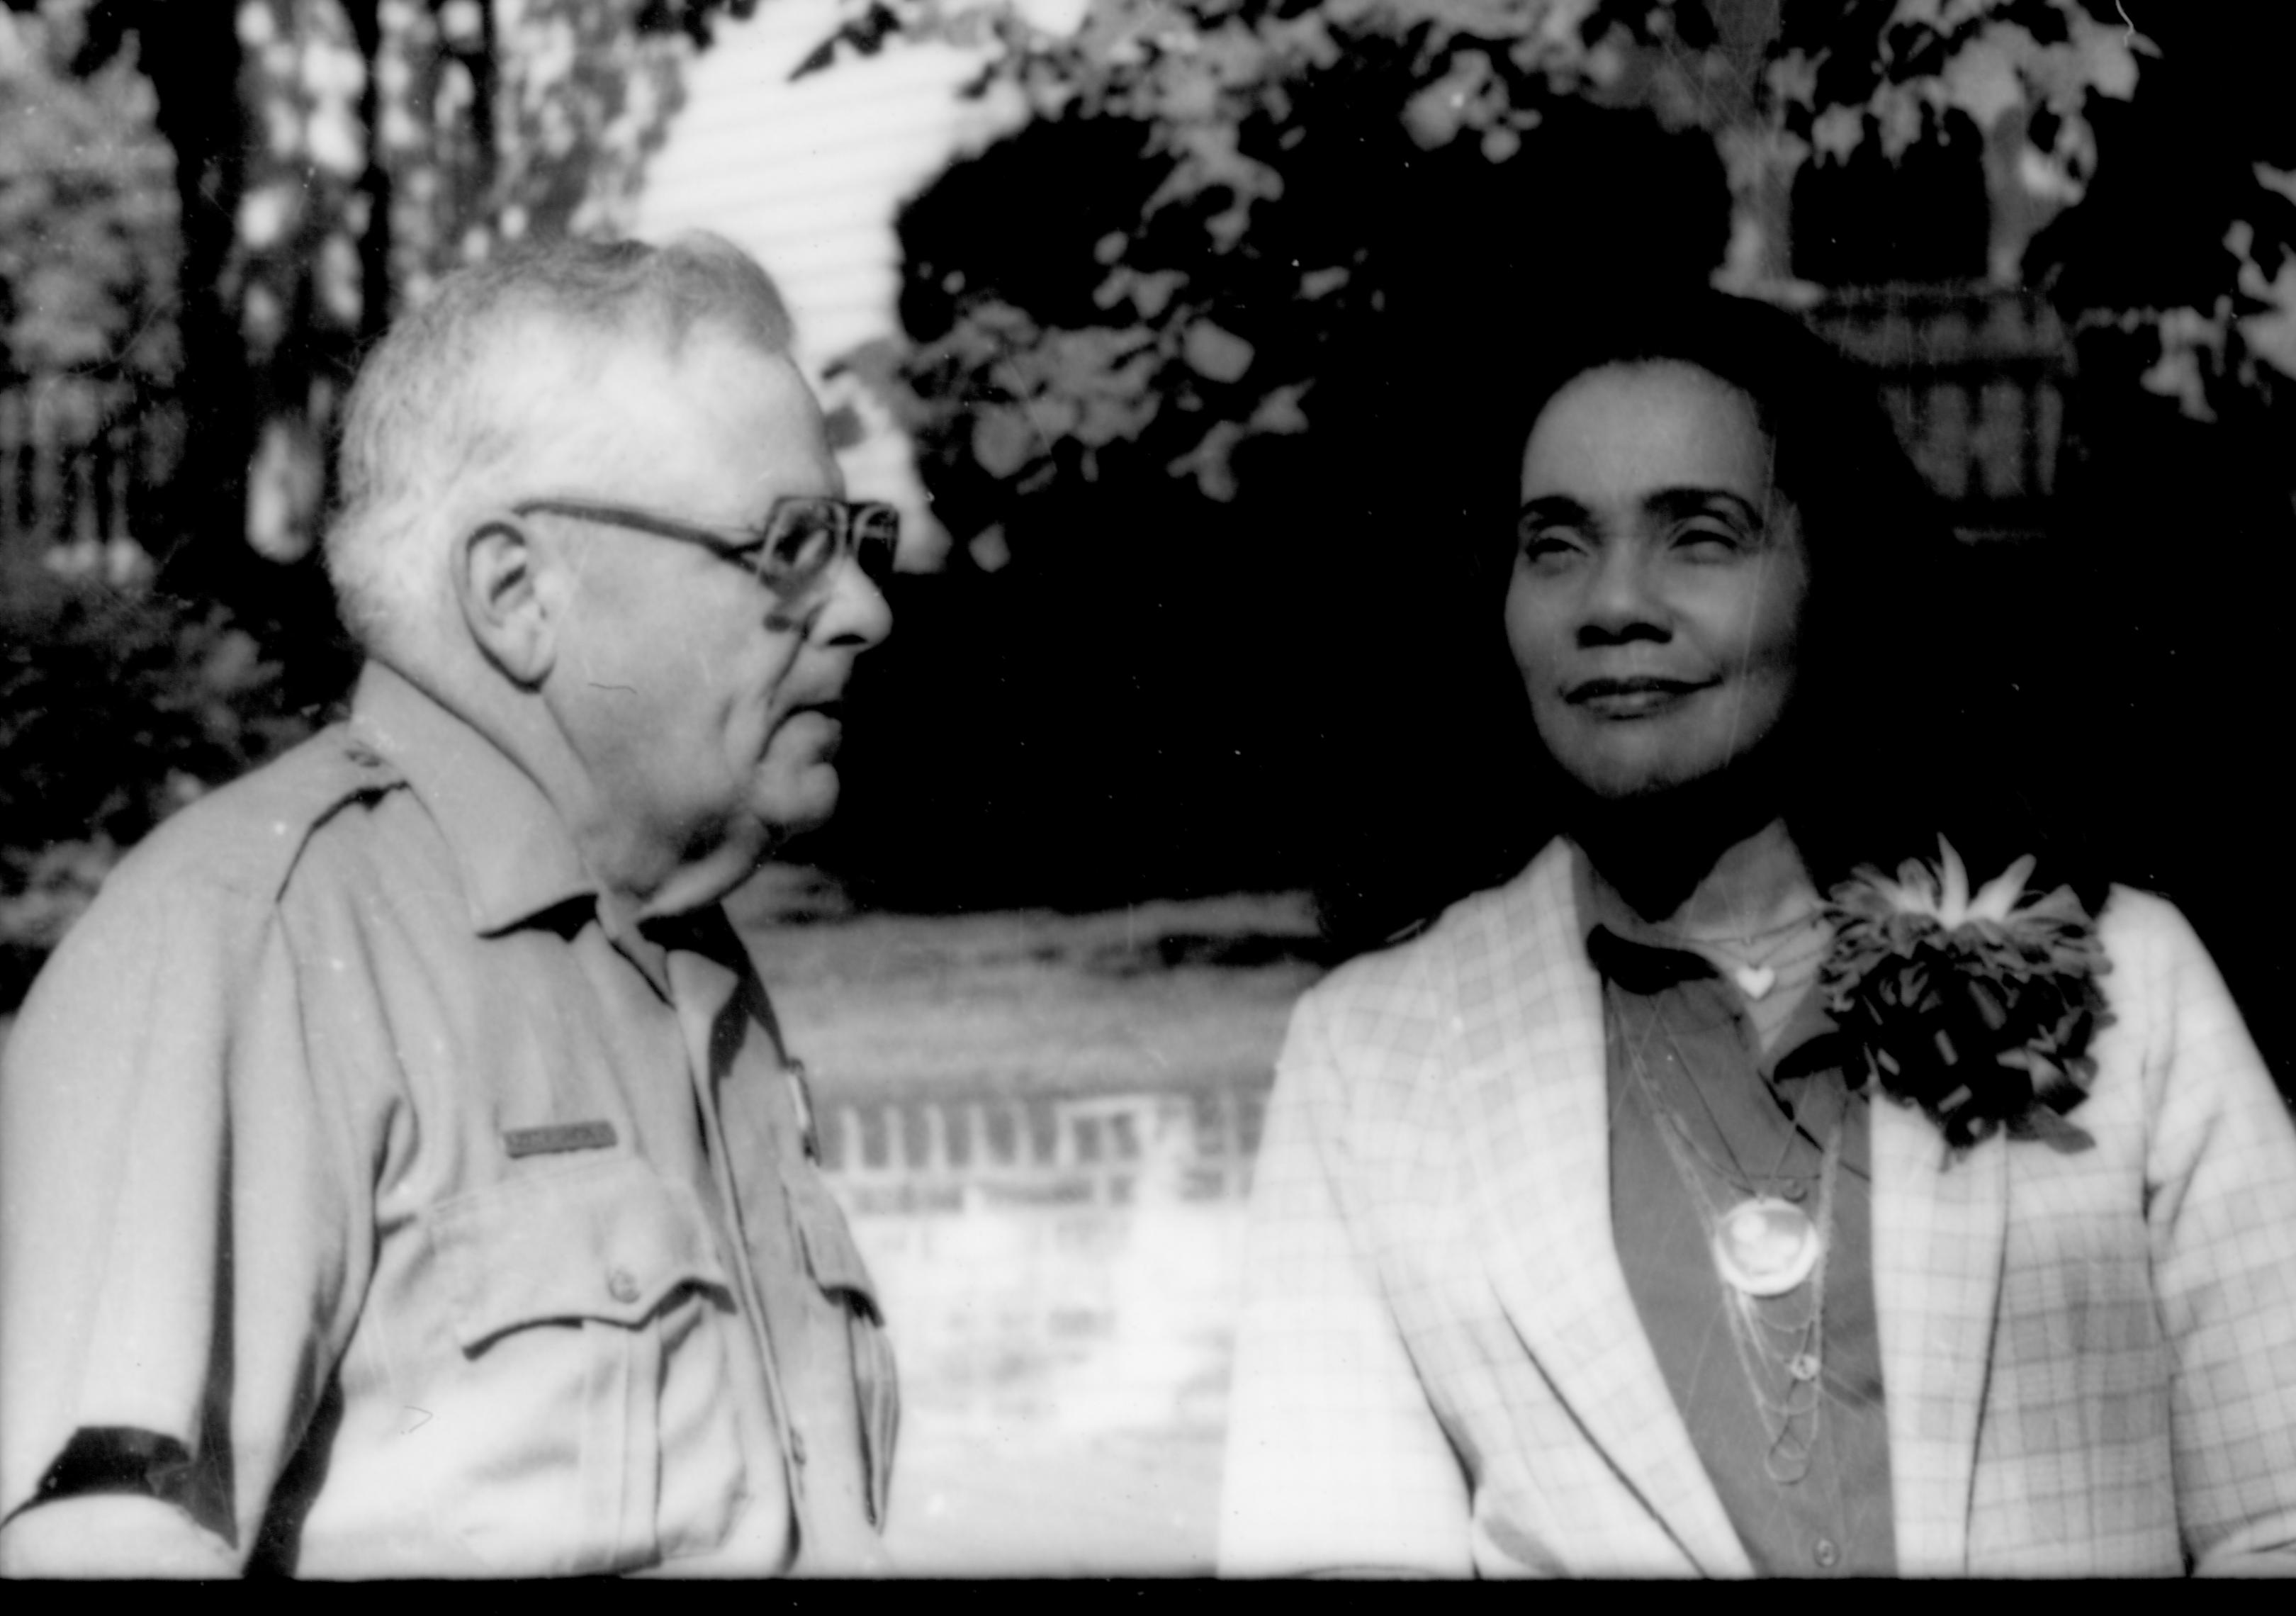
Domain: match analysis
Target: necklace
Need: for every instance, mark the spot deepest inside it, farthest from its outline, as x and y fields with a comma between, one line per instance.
x=1747, y=940
x=1764, y=1248
x=1747, y=1184
x=1757, y=969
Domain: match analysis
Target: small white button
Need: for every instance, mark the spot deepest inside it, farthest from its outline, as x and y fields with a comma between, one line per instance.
x=1825, y=1553
x=622, y=1285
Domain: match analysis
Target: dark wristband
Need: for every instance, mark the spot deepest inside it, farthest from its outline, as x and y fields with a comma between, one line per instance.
x=118, y=1459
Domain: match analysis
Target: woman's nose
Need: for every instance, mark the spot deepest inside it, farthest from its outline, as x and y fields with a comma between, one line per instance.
x=1621, y=601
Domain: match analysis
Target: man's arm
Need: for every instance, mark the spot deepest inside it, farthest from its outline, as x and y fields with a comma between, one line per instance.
x=171, y=1231
x=110, y=1535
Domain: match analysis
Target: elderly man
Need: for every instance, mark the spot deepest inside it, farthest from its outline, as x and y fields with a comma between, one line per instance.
x=403, y=1173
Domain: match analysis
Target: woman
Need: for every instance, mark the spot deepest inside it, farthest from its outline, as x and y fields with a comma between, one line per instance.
x=1695, y=1204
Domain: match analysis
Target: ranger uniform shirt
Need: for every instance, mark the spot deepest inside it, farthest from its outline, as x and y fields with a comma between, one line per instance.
x=351, y=1158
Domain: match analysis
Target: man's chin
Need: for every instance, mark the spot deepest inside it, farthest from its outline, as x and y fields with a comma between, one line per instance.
x=790, y=806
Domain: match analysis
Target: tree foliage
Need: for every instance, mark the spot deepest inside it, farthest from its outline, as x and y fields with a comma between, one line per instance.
x=1214, y=289
x=87, y=223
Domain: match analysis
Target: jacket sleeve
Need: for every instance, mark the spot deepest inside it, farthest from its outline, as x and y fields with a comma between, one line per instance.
x=175, y=1221
x=2222, y=1181
x=1336, y=1462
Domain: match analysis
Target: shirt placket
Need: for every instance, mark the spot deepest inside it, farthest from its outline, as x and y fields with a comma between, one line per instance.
x=1713, y=1029
x=701, y=990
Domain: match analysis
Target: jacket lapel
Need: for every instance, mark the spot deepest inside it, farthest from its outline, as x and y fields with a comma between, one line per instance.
x=1940, y=1232
x=1536, y=1118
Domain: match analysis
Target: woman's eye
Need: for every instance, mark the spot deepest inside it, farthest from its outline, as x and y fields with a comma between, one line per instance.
x=1550, y=543
x=1711, y=536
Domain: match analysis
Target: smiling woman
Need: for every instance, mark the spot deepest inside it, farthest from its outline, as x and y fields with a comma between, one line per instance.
x=1701, y=1201
x=1655, y=606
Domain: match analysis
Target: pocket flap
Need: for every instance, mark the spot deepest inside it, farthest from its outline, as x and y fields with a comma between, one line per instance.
x=830, y=1254
x=608, y=1240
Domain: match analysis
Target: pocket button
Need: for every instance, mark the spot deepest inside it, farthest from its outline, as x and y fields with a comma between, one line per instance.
x=622, y=1285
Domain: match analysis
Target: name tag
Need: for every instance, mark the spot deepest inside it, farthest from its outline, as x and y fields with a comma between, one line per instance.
x=558, y=1136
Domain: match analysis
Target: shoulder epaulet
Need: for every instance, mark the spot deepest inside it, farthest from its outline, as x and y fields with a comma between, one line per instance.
x=249, y=833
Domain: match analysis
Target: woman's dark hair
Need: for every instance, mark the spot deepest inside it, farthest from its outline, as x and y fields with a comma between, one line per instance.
x=1902, y=726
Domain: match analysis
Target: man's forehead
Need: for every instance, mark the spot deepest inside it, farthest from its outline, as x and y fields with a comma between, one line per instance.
x=577, y=395
x=543, y=355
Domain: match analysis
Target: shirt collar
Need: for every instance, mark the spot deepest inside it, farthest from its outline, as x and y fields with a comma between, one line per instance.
x=516, y=856
x=1628, y=950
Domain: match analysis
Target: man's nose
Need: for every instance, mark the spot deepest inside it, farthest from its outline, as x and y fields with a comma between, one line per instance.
x=1622, y=600
x=854, y=617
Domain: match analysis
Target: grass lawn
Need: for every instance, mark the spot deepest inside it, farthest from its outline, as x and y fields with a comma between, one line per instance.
x=1030, y=1002
x=1064, y=1372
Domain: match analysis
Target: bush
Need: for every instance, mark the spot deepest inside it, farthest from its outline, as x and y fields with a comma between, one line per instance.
x=117, y=708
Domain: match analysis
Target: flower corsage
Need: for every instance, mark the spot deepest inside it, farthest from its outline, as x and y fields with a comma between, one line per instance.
x=1977, y=1010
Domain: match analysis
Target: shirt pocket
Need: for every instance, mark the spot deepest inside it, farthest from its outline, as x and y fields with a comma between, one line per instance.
x=835, y=1262
x=574, y=1294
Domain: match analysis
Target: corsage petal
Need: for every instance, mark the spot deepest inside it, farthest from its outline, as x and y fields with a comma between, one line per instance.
x=1953, y=905
x=1977, y=1012
x=1998, y=897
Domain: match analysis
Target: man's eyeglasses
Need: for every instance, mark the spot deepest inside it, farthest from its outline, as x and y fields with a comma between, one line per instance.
x=804, y=536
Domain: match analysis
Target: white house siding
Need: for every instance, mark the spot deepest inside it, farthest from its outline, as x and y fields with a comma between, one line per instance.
x=808, y=175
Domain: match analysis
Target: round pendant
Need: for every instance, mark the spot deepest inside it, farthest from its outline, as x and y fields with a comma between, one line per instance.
x=1766, y=1246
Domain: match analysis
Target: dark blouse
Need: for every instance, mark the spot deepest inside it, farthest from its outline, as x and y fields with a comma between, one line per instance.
x=1679, y=1037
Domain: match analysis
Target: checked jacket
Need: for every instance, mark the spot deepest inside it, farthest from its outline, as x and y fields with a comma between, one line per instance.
x=2089, y=1359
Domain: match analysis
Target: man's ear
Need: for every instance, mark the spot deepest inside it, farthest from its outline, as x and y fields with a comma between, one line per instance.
x=497, y=584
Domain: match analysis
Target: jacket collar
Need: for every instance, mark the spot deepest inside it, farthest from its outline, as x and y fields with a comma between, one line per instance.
x=516, y=858
x=1534, y=1086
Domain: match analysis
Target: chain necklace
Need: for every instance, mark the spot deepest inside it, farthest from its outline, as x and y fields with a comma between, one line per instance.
x=1763, y=1248
x=1757, y=968
x=1757, y=972
x=1735, y=1173
x=1747, y=940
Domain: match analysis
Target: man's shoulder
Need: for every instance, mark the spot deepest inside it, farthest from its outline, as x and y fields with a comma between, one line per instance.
x=182, y=916
x=246, y=838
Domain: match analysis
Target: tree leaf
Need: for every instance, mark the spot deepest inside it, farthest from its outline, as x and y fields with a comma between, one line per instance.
x=1215, y=353
x=1981, y=78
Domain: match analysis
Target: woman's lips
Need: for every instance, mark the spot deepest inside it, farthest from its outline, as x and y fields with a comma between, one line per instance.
x=1631, y=698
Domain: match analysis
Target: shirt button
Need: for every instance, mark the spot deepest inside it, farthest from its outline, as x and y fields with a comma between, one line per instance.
x=622, y=1285
x=1826, y=1554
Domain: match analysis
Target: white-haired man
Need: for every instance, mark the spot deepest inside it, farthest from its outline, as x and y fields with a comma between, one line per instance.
x=400, y=1172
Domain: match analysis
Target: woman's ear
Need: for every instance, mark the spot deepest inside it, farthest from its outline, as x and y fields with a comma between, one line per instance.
x=497, y=583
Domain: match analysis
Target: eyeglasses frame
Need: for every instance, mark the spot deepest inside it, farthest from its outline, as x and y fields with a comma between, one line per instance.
x=752, y=549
